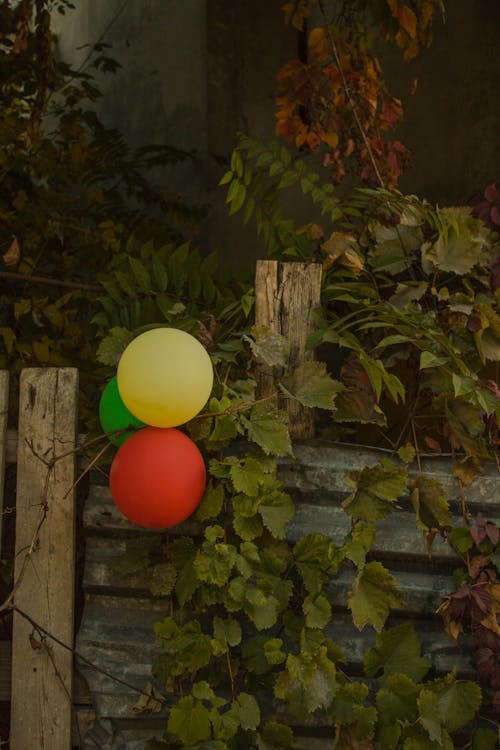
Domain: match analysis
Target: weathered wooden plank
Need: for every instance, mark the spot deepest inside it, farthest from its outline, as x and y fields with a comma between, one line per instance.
x=45, y=554
x=285, y=295
x=4, y=412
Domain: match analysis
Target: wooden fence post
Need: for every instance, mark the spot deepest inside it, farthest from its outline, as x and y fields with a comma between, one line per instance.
x=285, y=294
x=44, y=565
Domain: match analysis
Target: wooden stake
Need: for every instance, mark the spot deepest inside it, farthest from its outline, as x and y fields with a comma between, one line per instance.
x=45, y=558
x=285, y=295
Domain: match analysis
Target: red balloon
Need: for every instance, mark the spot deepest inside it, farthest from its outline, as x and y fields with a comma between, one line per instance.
x=157, y=477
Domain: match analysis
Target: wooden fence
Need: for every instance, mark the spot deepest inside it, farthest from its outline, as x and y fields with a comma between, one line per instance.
x=61, y=701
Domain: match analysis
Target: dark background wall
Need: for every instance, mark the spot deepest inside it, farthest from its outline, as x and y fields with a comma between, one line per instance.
x=196, y=72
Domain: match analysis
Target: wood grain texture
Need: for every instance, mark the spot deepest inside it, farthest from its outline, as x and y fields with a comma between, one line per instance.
x=285, y=295
x=45, y=559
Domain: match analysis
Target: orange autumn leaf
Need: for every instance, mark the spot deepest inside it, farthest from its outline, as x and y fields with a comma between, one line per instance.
x=404, y=16
x=11, y=257
x=318, y=44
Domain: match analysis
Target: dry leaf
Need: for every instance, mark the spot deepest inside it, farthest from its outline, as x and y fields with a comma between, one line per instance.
x=11, y=257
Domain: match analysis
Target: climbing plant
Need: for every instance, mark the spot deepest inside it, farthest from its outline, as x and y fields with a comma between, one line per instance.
x=247, y=651
x=333, y=98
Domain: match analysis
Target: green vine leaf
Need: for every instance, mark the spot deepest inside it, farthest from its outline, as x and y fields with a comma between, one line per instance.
x=268, y=428
x=268, y=347
x=214, y=561
x=276, y=510
x=318, y=611
x=361, y=541
x=189, y=720
x=376, y=490
x=430, y=502
x=183, y=556
x=227, y=633
x=248, y=528
x=273, y=651
x=248, y=711
x=373, y=594
x=397, y=699
x=396, y=652
x=211, y=503
x=311, y=385
x=316, y=558
x=307, y=683
x=457, y=701
x=348, y=708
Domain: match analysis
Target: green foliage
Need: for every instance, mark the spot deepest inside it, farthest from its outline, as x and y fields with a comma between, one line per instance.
x=409, y=307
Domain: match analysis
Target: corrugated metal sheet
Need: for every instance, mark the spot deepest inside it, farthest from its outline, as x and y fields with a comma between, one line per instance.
x=117, y=634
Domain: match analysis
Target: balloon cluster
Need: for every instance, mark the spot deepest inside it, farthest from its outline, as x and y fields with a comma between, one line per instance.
x=164, y=379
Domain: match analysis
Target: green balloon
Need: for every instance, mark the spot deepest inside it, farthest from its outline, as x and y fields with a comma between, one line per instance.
x=114, y=415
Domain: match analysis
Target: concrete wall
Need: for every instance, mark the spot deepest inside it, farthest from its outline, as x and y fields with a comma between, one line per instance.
x=198, y=71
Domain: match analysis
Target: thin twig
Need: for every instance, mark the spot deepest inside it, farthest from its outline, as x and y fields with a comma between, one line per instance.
x=44, y=632
x=350, y=97
x=46, y=281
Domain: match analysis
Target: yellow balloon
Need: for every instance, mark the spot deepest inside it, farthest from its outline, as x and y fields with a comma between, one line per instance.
x=165, y=377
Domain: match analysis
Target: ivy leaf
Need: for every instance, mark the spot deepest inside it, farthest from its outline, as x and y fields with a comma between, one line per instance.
x=430, y=502
x=248, y=711
x=248, y=476
x=214, y=561
x=376, y=490
x=361, y=541
x=348, y=708
x=316, y=558
x=311, y=385
x=457, y=701
x=459, y=249
x=248, y=528
x=183, y=556
x=396, y=652
x=397, y=700
x=261, y=607
x=407, y=453
x=113, y=345
x=162, y=579
x=429, y=716
x=273, y=651
x=276, y=510
x=225, y=725
x=268, y=428
x=373, y=594
x=211, y=503
x=307, y=683
x=189, y=720
x=254, y=654
x=269, y=347
x=318, y=611
x=226, y=633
